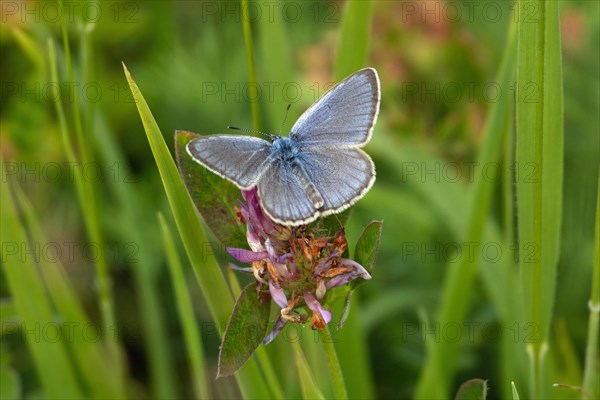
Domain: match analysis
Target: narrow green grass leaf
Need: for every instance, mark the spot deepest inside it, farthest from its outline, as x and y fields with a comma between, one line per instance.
x=590, y=375
x=515, y=394
x=31, y=49
x=8, y=312
x=308, y=385
x=208, y=273
x=98, y=371
x=539, y=148
x=10, y=383
x=252, y=83
x=245, y=331
x=85, y=188
x=274, y=45
x=354, y=38
x=335, y=370
x=458, y=286
x=193, y=340
x=473, y=389
x=214, y=197
x=138, y=230
x=50, y=357
x=352, y=55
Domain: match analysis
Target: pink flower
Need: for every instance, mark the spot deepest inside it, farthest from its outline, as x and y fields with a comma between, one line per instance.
x=296, y=264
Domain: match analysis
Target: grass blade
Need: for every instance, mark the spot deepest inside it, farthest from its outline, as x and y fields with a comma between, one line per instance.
x=515, y=394
x=274, y=45
x=52, y=363
x=352, y=54
x=590, y=375
x=308, y=385
x=354, y=38
x=87, y=198
x=252, y=85
x=95, y=368
x=186, y=314
x=337, y=378
x=458, y=285
x=208, y=273
x=539, y=146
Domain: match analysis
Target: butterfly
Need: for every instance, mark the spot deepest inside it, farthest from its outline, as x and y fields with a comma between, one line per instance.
x=318, y=169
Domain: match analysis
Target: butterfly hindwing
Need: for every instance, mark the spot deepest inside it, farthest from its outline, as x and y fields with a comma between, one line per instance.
x=341, y=175
x=284, y=197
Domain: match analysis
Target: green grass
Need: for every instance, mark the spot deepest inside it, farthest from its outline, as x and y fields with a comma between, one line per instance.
x=539, y=143
x=162, y=311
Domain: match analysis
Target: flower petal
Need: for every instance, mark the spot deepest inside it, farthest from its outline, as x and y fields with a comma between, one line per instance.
x=248, y=270
x=253, y=239
x=316, y=307
x=247, y=256
x=357, y=272
x=277, y=294
x=279, y=324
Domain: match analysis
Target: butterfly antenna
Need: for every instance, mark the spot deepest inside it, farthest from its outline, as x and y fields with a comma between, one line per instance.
x=284, y=118
x=269, y=135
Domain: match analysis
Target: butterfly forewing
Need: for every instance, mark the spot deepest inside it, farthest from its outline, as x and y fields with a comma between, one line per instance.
x=344, y=116
x=241, y=159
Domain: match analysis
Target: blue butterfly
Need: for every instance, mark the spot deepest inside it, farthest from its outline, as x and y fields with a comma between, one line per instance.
x=319, y=169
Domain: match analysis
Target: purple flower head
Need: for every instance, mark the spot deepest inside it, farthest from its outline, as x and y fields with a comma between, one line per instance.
x=297, y=266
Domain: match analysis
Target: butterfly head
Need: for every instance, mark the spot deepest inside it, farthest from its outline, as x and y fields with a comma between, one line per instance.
x=284, y=148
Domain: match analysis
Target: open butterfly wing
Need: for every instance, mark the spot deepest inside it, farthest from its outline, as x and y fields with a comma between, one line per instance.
x=240, y=159
x=344, y=116
x=284, y=198
x=341, y=175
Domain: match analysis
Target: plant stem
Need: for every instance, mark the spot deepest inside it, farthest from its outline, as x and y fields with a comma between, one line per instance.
x=590, y=375
x=337, y=377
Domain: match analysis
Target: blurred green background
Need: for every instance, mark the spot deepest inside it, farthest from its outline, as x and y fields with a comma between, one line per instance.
x=437, y=63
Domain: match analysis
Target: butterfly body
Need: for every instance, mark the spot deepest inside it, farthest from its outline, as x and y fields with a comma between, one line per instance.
x=319, y=169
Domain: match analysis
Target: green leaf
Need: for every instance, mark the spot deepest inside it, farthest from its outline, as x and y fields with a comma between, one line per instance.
x=214, y=197
x=245, y=331
x=346, y=309
x=367, y=248
x=367, y=245
x=459, y=283
x=590, y=376
x=53, y=366
x=354, y=38
x=539, y=148
x=273, y=43
x=97, y=368
x=365, y=253
x=473, y=389
x=10, y=383
x=185, y=309
x=209, y=275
